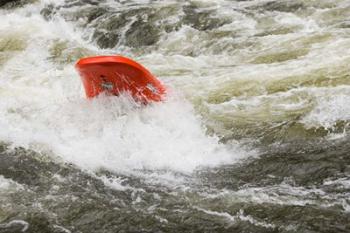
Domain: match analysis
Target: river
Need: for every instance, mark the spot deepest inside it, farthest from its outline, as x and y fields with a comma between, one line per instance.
x=253, y=135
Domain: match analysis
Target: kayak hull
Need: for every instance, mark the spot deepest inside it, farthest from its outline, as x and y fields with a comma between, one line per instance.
x=114, y=75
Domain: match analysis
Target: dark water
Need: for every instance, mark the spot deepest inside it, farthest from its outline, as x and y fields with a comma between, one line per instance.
x=253, y=136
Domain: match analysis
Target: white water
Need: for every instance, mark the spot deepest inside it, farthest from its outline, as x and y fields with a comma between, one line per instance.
x=43, y=107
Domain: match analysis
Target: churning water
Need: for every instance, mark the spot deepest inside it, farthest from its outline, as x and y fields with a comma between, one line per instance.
x=253, y=135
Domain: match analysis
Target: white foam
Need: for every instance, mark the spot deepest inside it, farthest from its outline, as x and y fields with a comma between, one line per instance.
x=332, y=106
x=44, y=106
x=4, y=183
x=224, y=215
x=8, y=185
x=24, y=224
x=285, y=194
x=344, y=182
x=115, y=134
x=45, y=109
x=114, y=183
x=231, y=219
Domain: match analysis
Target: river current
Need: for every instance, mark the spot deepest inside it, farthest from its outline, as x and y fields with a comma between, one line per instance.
x=253, y=135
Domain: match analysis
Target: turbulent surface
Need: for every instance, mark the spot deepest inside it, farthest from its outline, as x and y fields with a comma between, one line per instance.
x=253, y=136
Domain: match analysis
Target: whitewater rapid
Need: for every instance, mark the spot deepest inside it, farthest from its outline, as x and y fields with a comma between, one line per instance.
x=253, y=135
x=45, y=110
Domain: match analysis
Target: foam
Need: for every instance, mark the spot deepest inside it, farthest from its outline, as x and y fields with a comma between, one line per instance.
x=45, y=108
x=117, y=134
x=8, y=185
x=4, y=183
x=331, y=107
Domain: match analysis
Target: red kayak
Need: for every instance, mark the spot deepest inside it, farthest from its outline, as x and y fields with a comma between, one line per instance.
x=116, y=74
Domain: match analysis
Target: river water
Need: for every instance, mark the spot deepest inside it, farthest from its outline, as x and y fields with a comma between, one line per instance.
x=253, y=135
